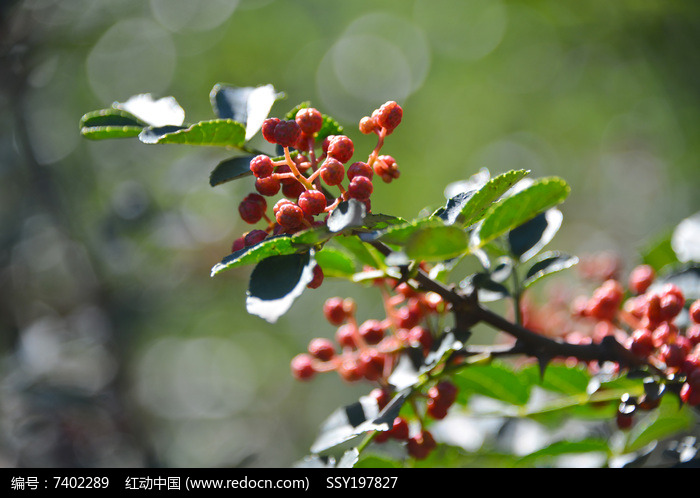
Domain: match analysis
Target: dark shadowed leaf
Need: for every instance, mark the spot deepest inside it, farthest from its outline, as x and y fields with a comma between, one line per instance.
x=546, y=264
x=529, y=238
x=249, y=106
x=348, y=214
x=230, y=169
x=487, y=289
x=276, y=282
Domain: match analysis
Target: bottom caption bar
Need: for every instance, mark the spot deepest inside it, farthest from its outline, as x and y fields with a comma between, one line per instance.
x=34, y=482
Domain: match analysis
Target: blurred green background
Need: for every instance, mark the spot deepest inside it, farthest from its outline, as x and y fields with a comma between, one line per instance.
x=118, y=349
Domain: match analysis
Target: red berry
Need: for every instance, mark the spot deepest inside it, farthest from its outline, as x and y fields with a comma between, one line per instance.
x=287, y=133
x=399, y=429
x=381, y=396
x=302, y=367
x=436, y=410
x=332, y=172
x=386, y=168
x=351, y=370
x=671, y=304
x=309, y=120
x=690, y=395
x=289, y=215
x=268, y=129
x=268, y=186
x=278, y=205
x=673, y=355
x=312, y=202
x=420, y=336
x=341, y=148
x=255, y=237
x=641, y=278
x=694, y=311
x=664, y=334
x=420, y=445
x=372, y=363
x=261, y=166
x=389, y=116
x=322, y=349
x=642, y=343
x=360, y=168
x=624, y=420
x=250, y=211
x=292, y=190
x=317, y=279
x=360, y=188
x=345, y=335
x=443, y=393
x=693, y=334
x=367, y=125
x=326, y=143
x=372, y=331
x=238, y=244
x=334, y=311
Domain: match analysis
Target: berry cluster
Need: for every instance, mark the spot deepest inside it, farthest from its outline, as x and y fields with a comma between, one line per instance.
x=647, y=320
x=305, y=173
x=369, y=350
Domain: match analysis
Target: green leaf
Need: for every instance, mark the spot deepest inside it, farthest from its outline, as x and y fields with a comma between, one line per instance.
x=273, y=246
x=559, y=378
x=496, y=381
x=110, y=123
x=520, y=207
x=437, y=243
x=400, y=233
x=475, y=206
x=363, y=252
x=664, y=422
x=546, y=264
x=216, y=132
x=276, y=282
x=659, y=253
x=249, y=106
x=560, y=448
x=377, y=462
x=335, y=263
x=230, y=169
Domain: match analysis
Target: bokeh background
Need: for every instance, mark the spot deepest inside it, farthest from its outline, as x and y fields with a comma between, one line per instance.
x=118, y=349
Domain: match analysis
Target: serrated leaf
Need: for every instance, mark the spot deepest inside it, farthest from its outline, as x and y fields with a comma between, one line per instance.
x=276, y=282
x=216, y=132
x=230, y=169
x=546, y=264
x=518, y=208
x=335, y=263
x=272, y=246
x=526, y=240
x=475, y=206
x=399, y=233
x=437, y=243
x=495, y=381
